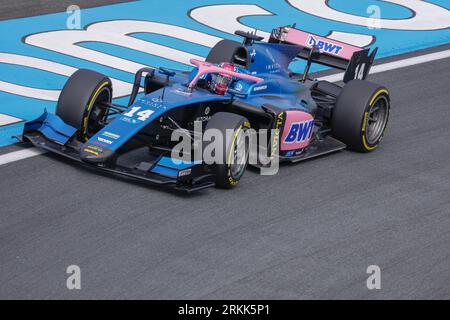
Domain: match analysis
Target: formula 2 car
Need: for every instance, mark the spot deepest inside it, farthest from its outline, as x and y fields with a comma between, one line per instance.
x=241, y=86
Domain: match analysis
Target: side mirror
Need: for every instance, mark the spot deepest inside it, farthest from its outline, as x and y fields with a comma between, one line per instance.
x=167, y=72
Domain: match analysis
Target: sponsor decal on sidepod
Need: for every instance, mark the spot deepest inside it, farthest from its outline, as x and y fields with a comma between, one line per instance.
x=300, y=132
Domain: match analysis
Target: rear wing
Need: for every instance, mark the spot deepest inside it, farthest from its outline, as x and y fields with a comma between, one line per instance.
x=356, y=61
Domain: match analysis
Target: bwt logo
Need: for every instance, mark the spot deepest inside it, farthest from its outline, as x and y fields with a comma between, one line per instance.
x=324, y=45
x=300, y=132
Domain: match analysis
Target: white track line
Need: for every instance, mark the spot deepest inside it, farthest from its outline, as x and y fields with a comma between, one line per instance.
x=396, y=64
x=19, y=155
x=7, y=120
x=32, y=152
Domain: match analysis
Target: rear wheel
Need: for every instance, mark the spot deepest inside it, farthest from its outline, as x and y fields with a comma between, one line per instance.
x=223, y=51
x=361, y=115
x=231, y=167
x=81, y=102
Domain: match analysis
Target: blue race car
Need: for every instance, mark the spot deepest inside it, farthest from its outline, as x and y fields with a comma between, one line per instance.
x=239, y=88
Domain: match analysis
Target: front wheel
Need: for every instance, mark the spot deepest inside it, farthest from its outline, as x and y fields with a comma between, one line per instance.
x=361, y=115
x=229, y=169
x=82, y=102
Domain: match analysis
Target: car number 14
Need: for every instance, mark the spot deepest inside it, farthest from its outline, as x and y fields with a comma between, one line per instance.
x=142, y=115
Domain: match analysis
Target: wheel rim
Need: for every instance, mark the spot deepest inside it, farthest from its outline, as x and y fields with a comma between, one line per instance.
x=98, y=113
x=240, y=156
x=377, y=119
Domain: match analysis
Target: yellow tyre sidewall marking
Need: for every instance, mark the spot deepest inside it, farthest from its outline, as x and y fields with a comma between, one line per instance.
x=91, y=103
x=232, y=181
x=366, y=115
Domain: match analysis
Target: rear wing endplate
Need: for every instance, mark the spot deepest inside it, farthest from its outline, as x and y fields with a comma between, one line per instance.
x=356, y=61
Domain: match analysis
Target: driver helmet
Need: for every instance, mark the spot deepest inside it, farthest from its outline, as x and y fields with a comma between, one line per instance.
x=221, y=82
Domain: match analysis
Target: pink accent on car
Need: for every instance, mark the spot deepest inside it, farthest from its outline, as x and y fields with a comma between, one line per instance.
x=207, y=68
x=305, y=39
x=298, y=130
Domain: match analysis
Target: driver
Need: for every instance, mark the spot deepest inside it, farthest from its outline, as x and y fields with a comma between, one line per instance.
x=218, y=83
x=221, y=82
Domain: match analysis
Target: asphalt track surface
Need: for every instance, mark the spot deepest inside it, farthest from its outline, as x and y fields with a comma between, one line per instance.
x=26, y=8
x=309, y=232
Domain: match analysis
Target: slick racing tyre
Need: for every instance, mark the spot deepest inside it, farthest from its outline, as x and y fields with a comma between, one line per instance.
x=361, y=115
x=80, y=102
x=231, y=167
x=223, y=52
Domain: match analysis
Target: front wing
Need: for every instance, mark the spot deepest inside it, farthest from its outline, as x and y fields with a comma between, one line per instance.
x=160, y=171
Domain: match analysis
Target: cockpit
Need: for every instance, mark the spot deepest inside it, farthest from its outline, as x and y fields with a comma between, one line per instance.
x=220, y=78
